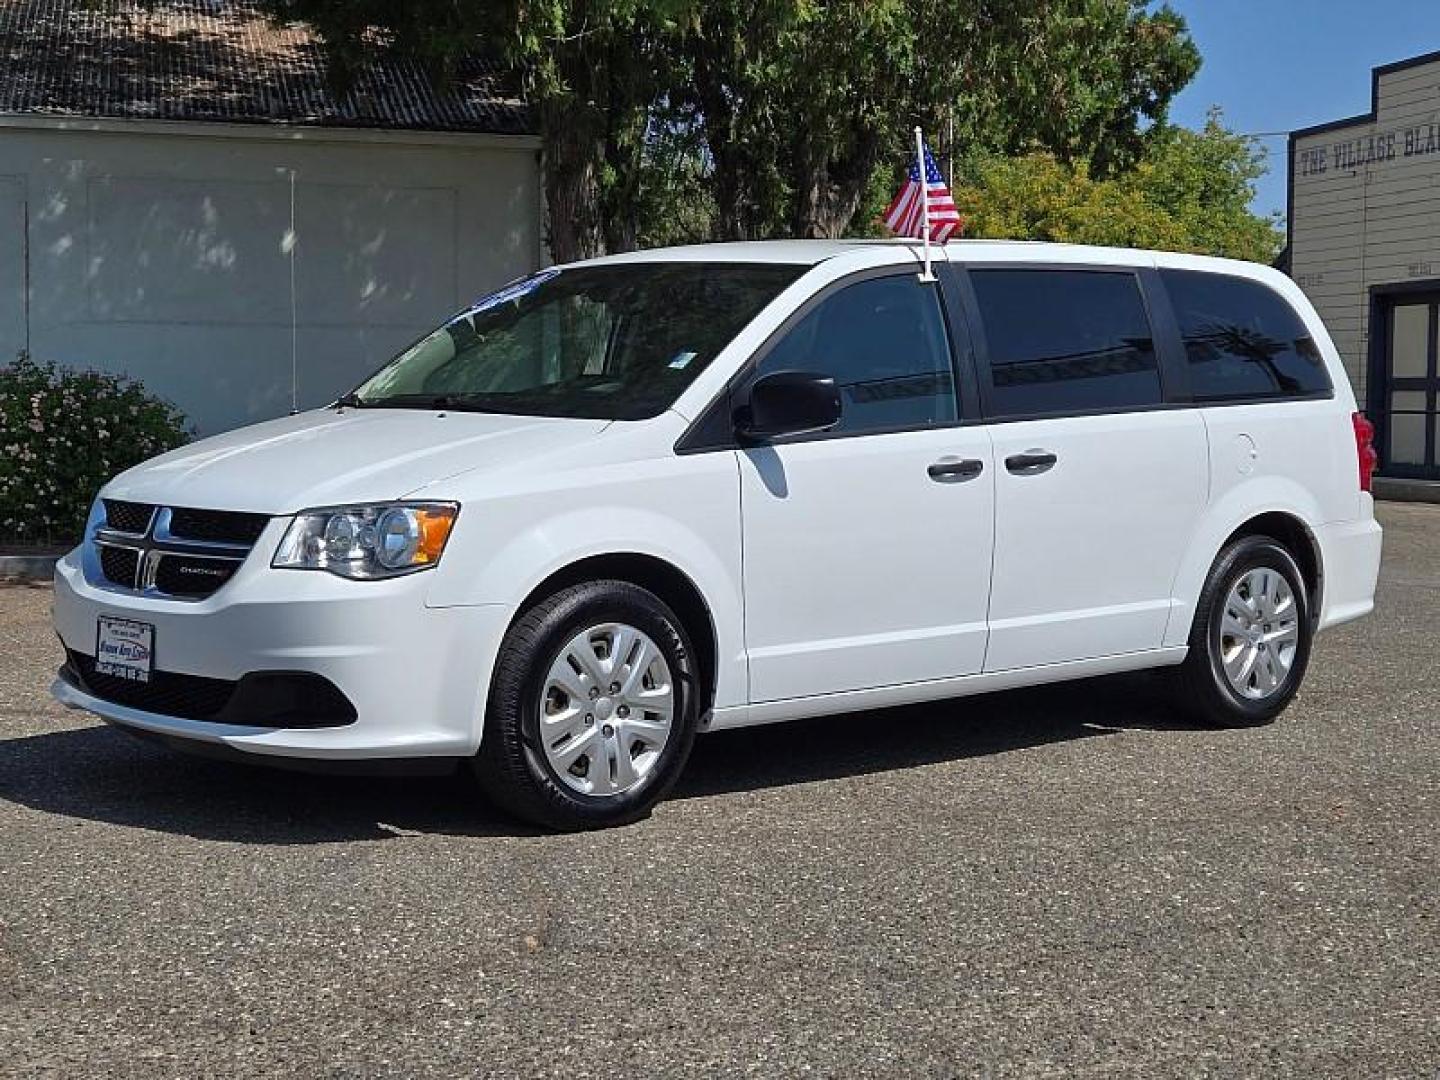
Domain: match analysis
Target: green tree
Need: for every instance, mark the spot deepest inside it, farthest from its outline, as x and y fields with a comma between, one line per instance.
x=1206, y=181
x=1079, y=79
x=1191, y=192
x=592, y=70
x=776, y=115
x=674, y=203
x=804, y=100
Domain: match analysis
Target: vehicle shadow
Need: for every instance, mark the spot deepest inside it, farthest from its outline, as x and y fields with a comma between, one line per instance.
x=854, y=744
x=104, y=775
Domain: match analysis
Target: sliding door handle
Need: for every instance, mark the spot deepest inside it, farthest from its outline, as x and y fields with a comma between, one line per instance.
x=1031, y=462
x=955, y=470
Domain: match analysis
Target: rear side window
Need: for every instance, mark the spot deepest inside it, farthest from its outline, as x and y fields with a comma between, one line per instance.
x=1242, y=339
x=1064, y=341
x=883, y=341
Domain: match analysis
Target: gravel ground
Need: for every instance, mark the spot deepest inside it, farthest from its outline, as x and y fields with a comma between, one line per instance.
x=1058, y=882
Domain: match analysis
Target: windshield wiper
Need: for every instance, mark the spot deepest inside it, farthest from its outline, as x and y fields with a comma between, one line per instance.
x=458, y=402
x=448, y=401
x=348, y=401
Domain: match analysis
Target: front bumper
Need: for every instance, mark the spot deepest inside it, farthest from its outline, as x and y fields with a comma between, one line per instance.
x=415, y=675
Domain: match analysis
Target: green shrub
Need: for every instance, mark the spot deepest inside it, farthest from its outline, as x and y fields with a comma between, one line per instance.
x=62, y=435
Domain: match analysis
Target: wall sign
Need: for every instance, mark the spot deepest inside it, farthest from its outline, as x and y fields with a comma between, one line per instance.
x=1364, y=151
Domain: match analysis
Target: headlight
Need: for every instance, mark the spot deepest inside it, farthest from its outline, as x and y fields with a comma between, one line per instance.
x=385, y=540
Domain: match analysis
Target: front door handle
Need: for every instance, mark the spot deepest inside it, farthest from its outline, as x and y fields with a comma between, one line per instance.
x=1031, y=462
x=955, y=470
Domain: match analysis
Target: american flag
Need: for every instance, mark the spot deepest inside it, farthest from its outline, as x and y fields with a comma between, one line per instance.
x=906, y=210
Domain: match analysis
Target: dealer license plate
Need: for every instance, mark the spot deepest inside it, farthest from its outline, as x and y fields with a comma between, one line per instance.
x=125, y=648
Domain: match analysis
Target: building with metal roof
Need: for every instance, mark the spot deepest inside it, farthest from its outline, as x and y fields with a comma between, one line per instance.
x=185, y=199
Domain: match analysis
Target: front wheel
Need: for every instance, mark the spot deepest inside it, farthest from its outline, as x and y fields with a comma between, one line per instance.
x=592, y=710
x=1250, y=642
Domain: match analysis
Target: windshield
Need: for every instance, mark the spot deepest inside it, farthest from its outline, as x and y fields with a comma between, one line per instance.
x=602, y=342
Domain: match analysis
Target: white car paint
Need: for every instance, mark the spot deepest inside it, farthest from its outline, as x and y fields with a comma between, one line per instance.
x=842, y=598
x=1086, y=553
x=349, y=456
x=836, y=576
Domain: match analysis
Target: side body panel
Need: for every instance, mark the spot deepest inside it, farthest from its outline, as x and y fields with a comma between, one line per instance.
x=939, y=689
x=1292, y=457
x=860, y=569
x=1086, y=553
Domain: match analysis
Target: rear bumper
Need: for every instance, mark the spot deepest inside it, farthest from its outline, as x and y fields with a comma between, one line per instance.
x=415, y=675
x=1350, y=555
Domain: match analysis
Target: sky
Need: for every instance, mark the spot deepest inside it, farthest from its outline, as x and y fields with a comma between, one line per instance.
x=1276, y=65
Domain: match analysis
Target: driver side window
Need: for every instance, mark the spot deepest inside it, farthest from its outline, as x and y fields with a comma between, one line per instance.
x=884, y=343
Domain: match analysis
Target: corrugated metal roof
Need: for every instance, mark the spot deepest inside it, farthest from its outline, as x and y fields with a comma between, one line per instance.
x=223, y=61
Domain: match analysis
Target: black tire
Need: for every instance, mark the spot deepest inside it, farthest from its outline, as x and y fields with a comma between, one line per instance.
x=1200, y=683
x=511, y=766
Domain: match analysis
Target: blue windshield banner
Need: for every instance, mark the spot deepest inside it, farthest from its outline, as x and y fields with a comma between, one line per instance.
x=514, y=291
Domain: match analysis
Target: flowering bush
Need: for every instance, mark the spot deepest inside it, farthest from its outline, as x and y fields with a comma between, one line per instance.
x=62, y=435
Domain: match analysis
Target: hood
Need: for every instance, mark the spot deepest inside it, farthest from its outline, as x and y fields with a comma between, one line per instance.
x=328, y=457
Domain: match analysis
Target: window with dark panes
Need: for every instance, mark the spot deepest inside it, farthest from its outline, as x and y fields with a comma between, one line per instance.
x=1065, y=341
x=884, y=343
x=1242, y=339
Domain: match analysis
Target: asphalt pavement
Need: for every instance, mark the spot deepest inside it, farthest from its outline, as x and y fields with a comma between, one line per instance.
x=1059, y=882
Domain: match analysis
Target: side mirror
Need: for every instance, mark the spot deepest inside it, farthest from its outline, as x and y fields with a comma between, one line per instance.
x=788, y=403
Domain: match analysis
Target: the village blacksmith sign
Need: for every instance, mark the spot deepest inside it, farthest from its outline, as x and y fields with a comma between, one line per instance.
x=1377, y=148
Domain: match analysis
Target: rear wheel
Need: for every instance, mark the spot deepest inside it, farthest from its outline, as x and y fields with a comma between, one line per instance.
x=1250, y=641
x=592, y=710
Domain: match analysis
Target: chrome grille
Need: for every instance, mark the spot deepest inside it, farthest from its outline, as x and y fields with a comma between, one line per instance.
x=177, y=552
x=128, y=517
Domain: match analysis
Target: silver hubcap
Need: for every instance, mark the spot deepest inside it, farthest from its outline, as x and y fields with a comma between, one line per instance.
x=606, y=710
x=1258, y=633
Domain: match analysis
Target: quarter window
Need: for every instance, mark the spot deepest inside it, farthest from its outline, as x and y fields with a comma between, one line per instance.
x=884, y=343
x=1063, y=341
x=1242, y=339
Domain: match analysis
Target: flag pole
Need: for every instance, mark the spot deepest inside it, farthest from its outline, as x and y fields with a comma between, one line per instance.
x=924, y=202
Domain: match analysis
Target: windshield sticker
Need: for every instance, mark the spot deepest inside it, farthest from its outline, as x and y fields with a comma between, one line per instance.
x=514, y=291
x=682, y=360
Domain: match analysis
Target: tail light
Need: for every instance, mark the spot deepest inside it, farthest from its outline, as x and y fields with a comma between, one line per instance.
x=1365, y=448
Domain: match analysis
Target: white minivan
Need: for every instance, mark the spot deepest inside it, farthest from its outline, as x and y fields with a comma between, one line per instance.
x=624, y=501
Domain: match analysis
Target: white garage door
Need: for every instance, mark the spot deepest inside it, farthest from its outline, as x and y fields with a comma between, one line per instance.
x=168, y=258
x=12, y=267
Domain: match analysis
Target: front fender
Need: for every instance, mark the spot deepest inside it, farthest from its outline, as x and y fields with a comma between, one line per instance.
x=684, y=511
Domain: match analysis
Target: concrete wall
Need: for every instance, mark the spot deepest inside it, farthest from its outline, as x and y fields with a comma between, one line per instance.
x=166, y=251
x=1365, y=205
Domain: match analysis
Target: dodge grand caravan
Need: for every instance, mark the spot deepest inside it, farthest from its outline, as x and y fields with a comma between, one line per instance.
x=624, y=501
